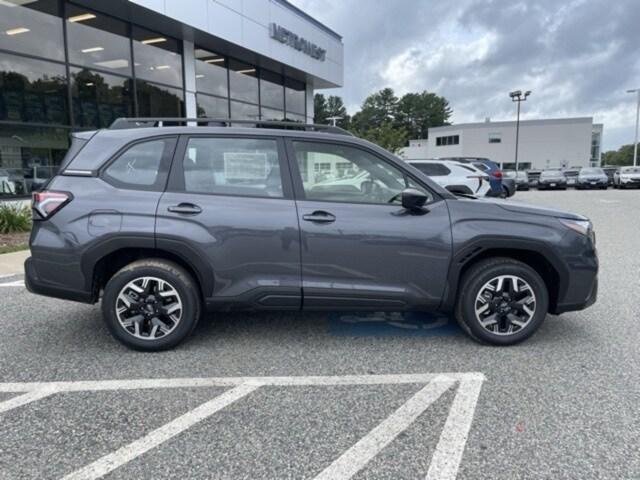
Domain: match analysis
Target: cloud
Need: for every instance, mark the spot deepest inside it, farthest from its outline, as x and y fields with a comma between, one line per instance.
x=578, y=57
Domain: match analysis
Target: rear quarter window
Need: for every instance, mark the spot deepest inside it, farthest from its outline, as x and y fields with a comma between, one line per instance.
x=143, y=165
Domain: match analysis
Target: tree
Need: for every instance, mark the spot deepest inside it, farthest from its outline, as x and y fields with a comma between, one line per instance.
x=327, y=107
x=336, y=108
x=320, y=112
x=386, y=135
x=377, y=109
x=622, y=156
x=417, y=112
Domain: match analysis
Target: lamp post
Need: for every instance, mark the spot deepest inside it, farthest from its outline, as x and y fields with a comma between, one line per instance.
x=635, y=142
x=518, y=96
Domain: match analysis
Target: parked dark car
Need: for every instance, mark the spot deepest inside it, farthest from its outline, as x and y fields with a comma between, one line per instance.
x=533, y=176
x=163, y=223
x=572, y=176
x=521, y=178
x=552, y=180
x=610, y=170
x=592, y=177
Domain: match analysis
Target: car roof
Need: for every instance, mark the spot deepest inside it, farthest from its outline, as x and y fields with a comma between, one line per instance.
x=105, y=143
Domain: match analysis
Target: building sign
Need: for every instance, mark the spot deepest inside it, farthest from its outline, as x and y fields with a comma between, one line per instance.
x=303, y=45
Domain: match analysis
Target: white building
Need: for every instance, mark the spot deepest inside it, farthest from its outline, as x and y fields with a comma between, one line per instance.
x=549, y=143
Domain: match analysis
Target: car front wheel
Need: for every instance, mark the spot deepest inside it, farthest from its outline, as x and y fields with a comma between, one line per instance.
x=151, y=304
x=502, y=301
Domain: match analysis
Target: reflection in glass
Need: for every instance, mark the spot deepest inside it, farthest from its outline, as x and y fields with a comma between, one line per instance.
x=271, y=114
x=211, y=73
x=271, y=90
x=243, y=81
x=97, y=41
x=32, y=90
x=212, y=107
x=157, y=57
x=24, y=26
x=295, y=96
x=244, y=111
x=29, y=156
x=296, y=118
x=159, y=101
x=98, y=98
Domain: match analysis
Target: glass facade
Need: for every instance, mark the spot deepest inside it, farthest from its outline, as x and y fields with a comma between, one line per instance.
x=227, y=86
x=66, y=67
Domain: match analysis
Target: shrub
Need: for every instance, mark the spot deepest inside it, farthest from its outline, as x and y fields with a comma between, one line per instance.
x=14, y=218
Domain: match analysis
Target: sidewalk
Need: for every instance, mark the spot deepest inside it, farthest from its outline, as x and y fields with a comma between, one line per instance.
x=13, y=263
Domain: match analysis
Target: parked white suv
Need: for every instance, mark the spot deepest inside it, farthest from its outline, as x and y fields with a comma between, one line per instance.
x=454, y=176
x=626, y=177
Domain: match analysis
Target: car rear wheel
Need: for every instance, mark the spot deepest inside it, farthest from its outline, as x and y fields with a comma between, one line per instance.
x=502, y=301
x=151, y=304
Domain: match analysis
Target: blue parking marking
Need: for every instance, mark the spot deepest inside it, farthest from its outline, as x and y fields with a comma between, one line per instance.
x=392, y=324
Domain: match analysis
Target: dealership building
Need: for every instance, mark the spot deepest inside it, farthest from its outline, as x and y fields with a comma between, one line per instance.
x=67, y=66
x=549, y=143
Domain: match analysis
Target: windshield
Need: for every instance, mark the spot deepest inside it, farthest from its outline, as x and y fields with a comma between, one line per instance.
x=630, y=170
x=509, y=173
x=592, y=171
x=551, y=173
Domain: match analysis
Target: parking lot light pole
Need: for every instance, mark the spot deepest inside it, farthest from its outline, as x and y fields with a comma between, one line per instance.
x=518, y=96
x=635, y=142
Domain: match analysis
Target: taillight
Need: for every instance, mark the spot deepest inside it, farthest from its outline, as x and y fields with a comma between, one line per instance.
x=497, y=174
x=48, y=202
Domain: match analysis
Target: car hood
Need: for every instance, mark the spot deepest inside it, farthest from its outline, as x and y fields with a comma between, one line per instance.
x=630, y=175
x=532, y=209
x=594, y=176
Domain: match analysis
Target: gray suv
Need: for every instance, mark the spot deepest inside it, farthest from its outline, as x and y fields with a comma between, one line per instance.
x=163, y=221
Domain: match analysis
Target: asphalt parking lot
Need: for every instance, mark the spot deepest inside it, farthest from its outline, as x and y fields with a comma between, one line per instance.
x=333, y=396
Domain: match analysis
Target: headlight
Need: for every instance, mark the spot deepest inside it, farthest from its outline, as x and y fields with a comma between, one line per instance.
x=580, y=226
x=583, y=227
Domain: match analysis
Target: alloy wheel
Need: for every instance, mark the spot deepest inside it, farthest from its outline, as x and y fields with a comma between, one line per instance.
x=149, y=308
x=505, y=305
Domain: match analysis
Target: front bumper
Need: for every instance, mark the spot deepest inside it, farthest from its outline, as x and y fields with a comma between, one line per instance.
x=549, y=185
x=35, y=284
x=592, y=183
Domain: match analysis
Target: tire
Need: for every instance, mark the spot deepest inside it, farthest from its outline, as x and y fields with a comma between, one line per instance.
x=178, y=289
x=473, y=285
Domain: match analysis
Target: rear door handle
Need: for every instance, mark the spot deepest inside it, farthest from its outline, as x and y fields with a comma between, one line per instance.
x=319, y=216
x=185, y=209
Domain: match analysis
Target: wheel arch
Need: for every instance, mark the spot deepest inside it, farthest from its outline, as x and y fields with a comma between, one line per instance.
x=102, y=262
x=534, y=254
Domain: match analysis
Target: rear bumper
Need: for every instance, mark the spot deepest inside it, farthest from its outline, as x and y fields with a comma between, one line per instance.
x=36, y=285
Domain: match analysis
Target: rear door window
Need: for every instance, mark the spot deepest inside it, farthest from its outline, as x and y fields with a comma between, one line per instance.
x=233, y=166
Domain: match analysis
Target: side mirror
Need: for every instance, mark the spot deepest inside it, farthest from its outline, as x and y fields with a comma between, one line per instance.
x=413, y=199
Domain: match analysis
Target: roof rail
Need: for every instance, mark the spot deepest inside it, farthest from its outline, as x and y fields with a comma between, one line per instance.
x=151, y=122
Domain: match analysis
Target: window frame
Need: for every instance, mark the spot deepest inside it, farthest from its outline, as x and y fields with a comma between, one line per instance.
x=298, y=185
x=176, y=184
x=163, y=172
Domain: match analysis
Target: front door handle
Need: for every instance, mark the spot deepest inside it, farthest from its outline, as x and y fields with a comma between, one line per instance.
x=319, y=216
x=185, y=209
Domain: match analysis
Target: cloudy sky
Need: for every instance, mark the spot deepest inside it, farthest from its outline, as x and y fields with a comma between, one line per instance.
x=577, y=56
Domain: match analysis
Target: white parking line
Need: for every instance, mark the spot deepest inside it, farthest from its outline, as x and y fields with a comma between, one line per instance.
x=444, y=464
x=160, y=435
x=17, y=283
x=448, y=454
x=354, y=459
x=25, y=398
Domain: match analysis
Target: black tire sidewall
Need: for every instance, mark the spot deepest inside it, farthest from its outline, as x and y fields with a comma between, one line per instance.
x=475, y=281
x=184, y=287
